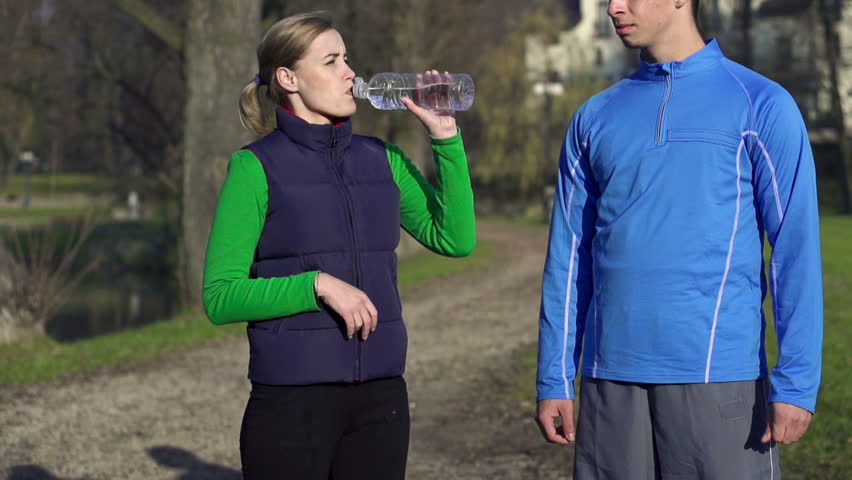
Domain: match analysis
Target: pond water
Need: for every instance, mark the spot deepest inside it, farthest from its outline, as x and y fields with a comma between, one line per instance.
x=101, y=305
x=133, y=283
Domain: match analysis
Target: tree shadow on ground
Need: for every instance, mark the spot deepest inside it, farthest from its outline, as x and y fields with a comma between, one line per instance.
x=30, y=472
x=193, y=467
x=190, y=466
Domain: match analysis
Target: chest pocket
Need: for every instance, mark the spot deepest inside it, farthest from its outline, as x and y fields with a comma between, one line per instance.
x=715, y=137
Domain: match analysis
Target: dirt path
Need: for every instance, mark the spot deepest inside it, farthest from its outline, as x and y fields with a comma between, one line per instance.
x=179, y=417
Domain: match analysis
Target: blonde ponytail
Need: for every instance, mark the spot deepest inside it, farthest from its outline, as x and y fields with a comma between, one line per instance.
x=282, y=46
x=251, y=110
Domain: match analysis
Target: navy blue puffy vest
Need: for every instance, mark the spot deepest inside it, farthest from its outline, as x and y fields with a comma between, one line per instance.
x=333, y=207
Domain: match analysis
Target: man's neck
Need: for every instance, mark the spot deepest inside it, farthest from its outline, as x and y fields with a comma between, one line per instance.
x=676, y=48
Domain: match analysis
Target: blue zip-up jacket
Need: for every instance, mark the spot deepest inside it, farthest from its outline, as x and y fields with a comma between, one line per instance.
x=668, y=182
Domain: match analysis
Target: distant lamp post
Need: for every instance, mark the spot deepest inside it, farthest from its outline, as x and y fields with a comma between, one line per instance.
x=547, y=90
x=133, y=205
x=29, y=160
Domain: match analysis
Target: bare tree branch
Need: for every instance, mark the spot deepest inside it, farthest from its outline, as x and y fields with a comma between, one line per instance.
x=167, y=130
x=133, y=142
x=171, y=34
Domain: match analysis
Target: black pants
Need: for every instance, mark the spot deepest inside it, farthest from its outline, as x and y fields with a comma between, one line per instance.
x=329, y=431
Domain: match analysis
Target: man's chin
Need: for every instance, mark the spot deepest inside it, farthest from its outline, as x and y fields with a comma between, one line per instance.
x=629, y=43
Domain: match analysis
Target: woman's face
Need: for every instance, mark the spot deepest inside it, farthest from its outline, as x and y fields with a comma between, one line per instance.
x=323, y=81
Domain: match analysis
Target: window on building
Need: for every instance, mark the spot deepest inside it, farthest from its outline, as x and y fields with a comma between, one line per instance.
x=603, y=26
x=784, y=53
x=710, y=17
x=808, y=105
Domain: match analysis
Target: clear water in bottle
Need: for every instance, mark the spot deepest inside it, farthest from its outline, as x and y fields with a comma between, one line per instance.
x=441, y=92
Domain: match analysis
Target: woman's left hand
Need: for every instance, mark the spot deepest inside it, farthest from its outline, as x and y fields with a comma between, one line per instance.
x=441, y=124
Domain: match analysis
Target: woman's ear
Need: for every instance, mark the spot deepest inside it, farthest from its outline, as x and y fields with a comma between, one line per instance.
x=286, y=79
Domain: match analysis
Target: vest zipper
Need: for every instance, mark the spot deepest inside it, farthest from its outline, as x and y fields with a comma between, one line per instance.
x=355, y=255
x=663, y=108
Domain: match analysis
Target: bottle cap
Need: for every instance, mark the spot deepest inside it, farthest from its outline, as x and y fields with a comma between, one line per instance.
x=359, y=88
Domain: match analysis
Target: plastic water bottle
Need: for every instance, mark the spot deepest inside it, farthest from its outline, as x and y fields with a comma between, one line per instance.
x=441, y=92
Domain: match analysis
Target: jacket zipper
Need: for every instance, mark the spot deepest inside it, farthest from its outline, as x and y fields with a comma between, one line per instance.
x=355, y=256
x=663, y=108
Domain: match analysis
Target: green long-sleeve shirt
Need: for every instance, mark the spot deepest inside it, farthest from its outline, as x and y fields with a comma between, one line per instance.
x=441, y=218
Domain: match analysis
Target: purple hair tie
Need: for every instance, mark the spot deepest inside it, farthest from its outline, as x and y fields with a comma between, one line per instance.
x=259, y=81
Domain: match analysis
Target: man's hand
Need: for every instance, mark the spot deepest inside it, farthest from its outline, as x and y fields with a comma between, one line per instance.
x=787, y=423
x=548, y=412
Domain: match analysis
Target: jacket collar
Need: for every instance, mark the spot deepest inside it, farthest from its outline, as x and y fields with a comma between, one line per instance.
x=314, y=137
x=704, y=59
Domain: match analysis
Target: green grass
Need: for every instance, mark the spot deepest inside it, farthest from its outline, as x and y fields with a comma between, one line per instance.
x=50, y=213
x=824, y=452
x=43, y=184
x=42, y=358
x=417, y=269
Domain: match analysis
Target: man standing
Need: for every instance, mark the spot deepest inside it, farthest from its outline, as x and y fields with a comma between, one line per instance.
x=668, y=183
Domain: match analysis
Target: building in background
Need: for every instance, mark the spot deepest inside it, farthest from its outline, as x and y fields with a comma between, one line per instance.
x=589, y=50
x=805, y=45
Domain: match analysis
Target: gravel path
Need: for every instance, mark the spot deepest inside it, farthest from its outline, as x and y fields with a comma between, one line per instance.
x=179, y=417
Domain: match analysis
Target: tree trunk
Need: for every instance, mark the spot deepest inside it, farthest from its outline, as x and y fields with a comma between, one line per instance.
x=411, y=39
x=55, y=160
x=745, y=28
x=828, y=9
x=220, y=52
x=846, y=164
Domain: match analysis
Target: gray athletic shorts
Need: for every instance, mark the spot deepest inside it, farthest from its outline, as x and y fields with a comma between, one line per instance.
x=635, y=431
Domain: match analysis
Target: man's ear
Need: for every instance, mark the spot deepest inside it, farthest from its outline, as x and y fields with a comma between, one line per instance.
x=681, y=3
x=286, y=79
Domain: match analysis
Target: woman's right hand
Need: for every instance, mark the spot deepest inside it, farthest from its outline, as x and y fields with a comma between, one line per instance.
x=352, y=304
x=441, y=124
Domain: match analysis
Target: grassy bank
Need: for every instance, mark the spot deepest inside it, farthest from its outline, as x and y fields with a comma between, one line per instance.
x=50, y=213
x=41, y=358
x=824, y=452
x=66, y=183
x=40, y=217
